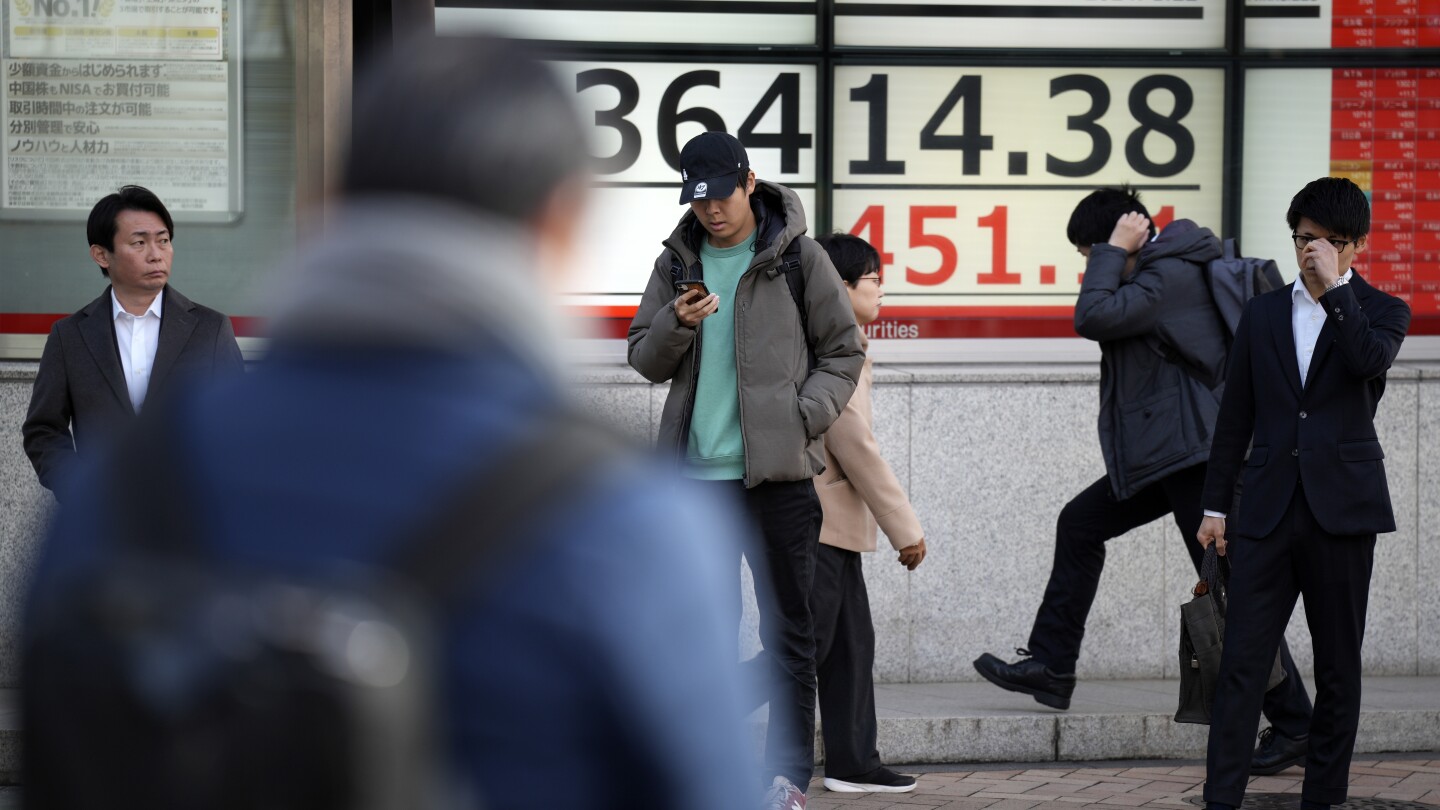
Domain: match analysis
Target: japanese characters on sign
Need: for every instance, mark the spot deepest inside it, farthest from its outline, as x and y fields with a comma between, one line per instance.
x=1378, y=126
x=1348, y=24
x=124, y=29
x=76, y=129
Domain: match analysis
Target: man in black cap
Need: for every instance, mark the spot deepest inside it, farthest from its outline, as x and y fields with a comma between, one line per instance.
x=761, y=356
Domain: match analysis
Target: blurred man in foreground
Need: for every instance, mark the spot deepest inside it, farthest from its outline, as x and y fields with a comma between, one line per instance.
x=586, y=663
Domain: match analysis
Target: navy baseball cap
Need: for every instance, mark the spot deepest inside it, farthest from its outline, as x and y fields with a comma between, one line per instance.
x=711, y=165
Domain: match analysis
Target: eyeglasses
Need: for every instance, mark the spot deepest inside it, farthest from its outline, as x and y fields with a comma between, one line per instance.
x=878, y=281
x=1339, y=244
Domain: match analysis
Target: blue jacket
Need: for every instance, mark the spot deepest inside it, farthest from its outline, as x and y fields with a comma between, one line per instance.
x=596, y=667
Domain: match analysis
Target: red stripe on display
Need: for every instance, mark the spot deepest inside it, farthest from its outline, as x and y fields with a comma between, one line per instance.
x=31, y=323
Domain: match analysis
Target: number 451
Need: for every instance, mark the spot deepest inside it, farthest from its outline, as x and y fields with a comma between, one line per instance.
x=872, y=220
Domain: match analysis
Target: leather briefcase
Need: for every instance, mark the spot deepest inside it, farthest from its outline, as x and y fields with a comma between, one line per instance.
x=1202, y=637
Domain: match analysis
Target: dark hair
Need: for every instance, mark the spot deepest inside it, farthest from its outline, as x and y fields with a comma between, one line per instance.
x=1333, y=203
x=100, y=229
x=852, y=256
x=1093, y=220
x=477, y=120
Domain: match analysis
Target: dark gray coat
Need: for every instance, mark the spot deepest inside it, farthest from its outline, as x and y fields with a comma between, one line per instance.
x=785, y=406
x=1155, y=419
x=80, y=397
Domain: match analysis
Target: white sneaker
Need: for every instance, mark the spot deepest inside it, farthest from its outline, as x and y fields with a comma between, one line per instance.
x=783, y=795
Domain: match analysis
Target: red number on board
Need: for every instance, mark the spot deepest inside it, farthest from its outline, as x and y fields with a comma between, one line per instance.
x=949, y=259
x=873, y=220
x=998, y=221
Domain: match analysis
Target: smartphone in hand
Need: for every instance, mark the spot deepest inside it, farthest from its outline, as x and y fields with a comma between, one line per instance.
x=685, y=286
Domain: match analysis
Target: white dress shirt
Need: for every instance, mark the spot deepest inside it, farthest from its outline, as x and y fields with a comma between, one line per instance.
x=1307, y=316
x=137, y=337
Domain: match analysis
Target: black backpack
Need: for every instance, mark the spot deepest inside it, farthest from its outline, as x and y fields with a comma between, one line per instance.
x=1232, y=280
x=158, y=678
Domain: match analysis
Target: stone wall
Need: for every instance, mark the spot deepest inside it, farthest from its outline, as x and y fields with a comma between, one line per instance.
x=990, y=454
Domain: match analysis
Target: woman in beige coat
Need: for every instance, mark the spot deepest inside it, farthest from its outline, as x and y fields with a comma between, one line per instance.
x=858, y=494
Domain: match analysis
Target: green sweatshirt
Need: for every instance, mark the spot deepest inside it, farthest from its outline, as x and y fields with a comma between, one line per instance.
x=716, y=451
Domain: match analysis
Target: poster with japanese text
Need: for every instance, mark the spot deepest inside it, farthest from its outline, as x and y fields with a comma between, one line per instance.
x=119, y=29
x=75, y=130
x=1342, y=24
x=1380, y=127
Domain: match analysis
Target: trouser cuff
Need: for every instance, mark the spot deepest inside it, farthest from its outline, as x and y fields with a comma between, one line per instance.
x=1232, y=796
x=1324, y=795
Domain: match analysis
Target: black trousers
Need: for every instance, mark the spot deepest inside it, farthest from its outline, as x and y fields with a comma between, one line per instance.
x=844, y=659
x=1267, y=575
x=1086, y=524
x=782, y=561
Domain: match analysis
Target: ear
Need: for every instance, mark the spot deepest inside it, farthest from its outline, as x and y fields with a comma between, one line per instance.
x=556, y=228
x=101, y=256
x=750, y=182
x=1359, y=246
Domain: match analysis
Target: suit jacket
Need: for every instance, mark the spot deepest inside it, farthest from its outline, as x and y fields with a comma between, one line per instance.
x=80, y=398
x=1322, y=433
x=858, y=487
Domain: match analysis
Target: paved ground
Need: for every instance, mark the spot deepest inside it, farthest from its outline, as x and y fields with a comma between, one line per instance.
x=1108, y=720
x=1120, y=785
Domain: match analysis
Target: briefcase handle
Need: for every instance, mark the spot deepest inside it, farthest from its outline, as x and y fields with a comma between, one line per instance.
x=1214, y=573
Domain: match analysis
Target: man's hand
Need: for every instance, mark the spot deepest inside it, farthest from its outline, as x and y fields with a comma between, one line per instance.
x=912, y=556
x=692, y=307
x=1130, y=232
x=1321, y=262
x=1212, y=530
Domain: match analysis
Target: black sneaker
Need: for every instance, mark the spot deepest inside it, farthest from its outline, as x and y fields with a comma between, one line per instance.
x=1276, y=752
x=1030, y=677
x=880, y=780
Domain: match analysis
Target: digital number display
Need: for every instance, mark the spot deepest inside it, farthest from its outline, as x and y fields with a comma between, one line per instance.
x=639, y=116
x=965, y=178
x=1128, y=24
x=712, y=23
x=1345, y=24
x=1378, y=126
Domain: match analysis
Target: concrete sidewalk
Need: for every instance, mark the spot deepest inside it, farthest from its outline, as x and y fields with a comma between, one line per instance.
x=1395, y=781
x=978, y=722
x=981, y=723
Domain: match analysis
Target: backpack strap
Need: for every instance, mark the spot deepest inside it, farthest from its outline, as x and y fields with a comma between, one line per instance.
x=478, y=519
x=486, y=515
x=790, y=265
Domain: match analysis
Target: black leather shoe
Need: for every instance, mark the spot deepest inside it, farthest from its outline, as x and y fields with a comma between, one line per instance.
x=1276, y=752
x=1029, y=677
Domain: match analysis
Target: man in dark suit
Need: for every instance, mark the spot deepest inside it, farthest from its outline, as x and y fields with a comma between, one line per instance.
x=101, y=364
x=1307, y=370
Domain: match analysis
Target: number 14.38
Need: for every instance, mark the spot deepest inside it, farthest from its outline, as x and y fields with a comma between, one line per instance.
x=973, y=140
